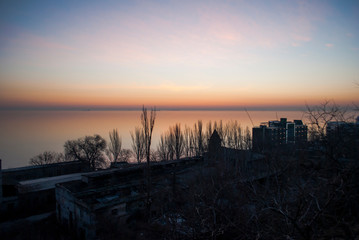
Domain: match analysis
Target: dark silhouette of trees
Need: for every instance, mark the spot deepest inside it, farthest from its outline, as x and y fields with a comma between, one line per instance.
x=125, y=155
x=148, y=123
x=171, y=144
x=198, y=138
x=319, y=116
x=176, y=143
x=162, y=148
x=115, y=144
x=87, y=149
x=332, y=130
x=47, y=157
x=296, y=202
x=234, y=135
x=188, y=142
x=178, y=140
x=247, y=139
x=138, y=144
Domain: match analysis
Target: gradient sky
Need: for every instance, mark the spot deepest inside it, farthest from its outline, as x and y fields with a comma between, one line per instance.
x=56, y=54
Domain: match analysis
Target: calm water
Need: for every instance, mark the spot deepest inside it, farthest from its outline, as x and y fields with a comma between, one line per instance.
x=24, y=134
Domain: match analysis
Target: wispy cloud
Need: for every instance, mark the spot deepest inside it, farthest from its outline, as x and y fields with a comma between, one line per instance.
x=196, y=33
x=171, y=87
x=329, y=45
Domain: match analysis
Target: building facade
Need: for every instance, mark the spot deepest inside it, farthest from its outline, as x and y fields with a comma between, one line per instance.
x=87, y=206
x=343, y=138
x=26, y=191
x=278, y=134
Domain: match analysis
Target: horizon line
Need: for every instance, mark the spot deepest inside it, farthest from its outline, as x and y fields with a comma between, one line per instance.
x=170, y=108
x=164, y=108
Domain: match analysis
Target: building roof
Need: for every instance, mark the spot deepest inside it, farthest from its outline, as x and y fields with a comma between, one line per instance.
x=100, y=189
x=46, y=183
x=59, y=164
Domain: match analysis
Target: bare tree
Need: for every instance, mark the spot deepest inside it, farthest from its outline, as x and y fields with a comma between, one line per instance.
x=188, y=142
x=162, y=148
x=331, y=129
x=87, y=149
x=138, y=145
x=319, y=116
x=247, y=139
x=125, y=155
x=47, y=157
x=115, y=144
x=154, y=156
x=148, y=123
x=209, y=130
x=178, y=140
x=198, y=137
x=170, y=143
x=234, y=137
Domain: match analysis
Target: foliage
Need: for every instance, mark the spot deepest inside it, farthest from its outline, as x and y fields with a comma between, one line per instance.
x=148, y=123
x=125, y=155
x=138, y=146
x=47, y=157
x=87, y=149
x=176, y=143
x=115, y=144
x=171, y=144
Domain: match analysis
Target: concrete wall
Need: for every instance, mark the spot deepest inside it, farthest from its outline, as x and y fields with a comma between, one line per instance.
x=15, y=204
x=12, y=176
x=87, y=206
x=73, y=215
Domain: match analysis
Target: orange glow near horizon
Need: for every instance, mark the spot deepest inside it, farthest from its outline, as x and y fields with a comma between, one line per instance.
x=163, y=97
x=181, y=100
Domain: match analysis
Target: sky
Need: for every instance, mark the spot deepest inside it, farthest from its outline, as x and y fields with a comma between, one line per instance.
x=178, y=54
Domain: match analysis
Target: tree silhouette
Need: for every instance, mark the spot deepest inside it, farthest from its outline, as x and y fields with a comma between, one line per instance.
x=47, y=157
x=330, y=129
x=138, y=144
x=115, y=144
x=148, y=123
x=87, y=149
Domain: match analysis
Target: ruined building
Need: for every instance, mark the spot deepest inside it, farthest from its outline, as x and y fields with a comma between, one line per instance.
x=119, y=195
x=30, y=190
x=114, y=195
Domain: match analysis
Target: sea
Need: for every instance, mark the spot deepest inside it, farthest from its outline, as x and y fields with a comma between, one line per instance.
x=25, y=134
